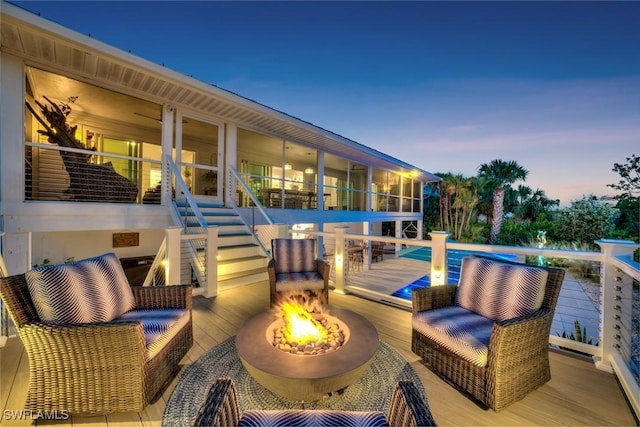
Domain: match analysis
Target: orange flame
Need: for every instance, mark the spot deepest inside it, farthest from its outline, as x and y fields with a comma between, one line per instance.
x=300, y=326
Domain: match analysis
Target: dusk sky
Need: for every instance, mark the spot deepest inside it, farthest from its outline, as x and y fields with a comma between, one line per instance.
x=445, y=86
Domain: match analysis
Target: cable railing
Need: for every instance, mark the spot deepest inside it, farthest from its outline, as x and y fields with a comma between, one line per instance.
x=54, y=173
x=597, y=314
x=245, y=205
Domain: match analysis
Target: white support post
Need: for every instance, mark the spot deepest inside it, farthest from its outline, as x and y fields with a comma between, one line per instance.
x=320, y=188
x=439, y=267
x=339, y=259
x=167, y=149
x=212, y=262
x=366, y=230
x=231, y=155
x=281, y=231
x=611, y=306
x=172, y=256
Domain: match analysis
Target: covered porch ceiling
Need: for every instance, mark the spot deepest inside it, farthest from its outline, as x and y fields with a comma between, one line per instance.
x=47, y=45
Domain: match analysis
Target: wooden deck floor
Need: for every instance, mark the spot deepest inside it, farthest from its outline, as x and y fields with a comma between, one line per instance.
x=578, y=394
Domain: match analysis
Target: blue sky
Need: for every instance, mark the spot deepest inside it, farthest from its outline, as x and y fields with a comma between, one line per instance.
x=445, y=86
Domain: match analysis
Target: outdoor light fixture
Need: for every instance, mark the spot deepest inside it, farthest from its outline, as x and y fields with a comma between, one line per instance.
x=287, y=165
x=439, y=258
x=309, y=170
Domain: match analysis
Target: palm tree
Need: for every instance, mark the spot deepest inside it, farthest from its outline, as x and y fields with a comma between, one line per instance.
x=458, y=200
x=531, y=207
x=500, y=173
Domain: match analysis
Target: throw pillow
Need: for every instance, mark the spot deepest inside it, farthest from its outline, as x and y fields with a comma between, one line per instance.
x=91, y=290
x=500, y=291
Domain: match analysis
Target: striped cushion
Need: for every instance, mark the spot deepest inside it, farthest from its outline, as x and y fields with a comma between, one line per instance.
x=159, y=325
x=459, y=330
x=294, y=255
x=498, y=290
x=91, y=290
x=296, y=281
x=311, y=418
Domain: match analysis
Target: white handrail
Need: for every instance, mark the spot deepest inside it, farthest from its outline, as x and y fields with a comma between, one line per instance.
x=185, y=191
x=254, y=199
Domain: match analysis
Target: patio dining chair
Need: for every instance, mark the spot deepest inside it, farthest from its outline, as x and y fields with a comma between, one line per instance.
x=489, y=335
x=295, y=267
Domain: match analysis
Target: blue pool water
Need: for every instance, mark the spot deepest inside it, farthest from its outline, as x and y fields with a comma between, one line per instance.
x=454, y=260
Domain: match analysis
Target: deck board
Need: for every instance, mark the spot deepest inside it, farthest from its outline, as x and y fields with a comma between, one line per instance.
x=578, y=394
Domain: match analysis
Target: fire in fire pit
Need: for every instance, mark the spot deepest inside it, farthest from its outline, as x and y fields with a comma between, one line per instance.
x=307, y=330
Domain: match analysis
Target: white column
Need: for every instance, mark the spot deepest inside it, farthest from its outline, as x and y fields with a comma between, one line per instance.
x=12, y=131
x=172, y=257
x=611, y=306
x=281, y=231
x=167, y=147
x=320, y=188
x=339, y=259
x=366, y=230
x=369, y=188
x=231, y=160
x=439, y=267
x=212, y=261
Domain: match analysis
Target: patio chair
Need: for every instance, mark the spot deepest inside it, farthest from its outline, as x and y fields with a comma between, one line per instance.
x=407, y=409
x=295, y=267
x=489, y=335
x=377, y=251
x=96, y=345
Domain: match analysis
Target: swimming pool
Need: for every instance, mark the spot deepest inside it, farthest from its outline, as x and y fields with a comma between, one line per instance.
x=454, y=259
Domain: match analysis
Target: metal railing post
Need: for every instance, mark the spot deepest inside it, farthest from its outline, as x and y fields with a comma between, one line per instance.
x=339, y=259
x=172, y=255
x=281, y=231
x=212, y=262
x=612, y=304
x=439, y=263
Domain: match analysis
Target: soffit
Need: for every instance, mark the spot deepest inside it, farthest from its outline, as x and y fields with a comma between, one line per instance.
x=56, y=48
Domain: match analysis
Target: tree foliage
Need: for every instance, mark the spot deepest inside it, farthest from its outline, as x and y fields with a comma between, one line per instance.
x=458, y=203
x=499, y=173
x=585, y=220
x=629, y=176
x=628, y=202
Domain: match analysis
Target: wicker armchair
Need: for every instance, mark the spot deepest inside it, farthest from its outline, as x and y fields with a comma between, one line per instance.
x=294, y=267
x=407, y=409
x=517, y=360
x=96, y=368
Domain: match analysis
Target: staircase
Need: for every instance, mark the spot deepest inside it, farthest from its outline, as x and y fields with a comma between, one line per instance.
x=241, y=260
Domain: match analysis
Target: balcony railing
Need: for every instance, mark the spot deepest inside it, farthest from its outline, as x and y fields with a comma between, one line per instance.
x=598, y=312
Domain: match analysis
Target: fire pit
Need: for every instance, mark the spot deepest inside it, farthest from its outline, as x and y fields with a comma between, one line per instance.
x=314, y=367
x=307, y=330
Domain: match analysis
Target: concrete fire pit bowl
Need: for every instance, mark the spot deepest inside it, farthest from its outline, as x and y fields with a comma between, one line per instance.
x=307, y=377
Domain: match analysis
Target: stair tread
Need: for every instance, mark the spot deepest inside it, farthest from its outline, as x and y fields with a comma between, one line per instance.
x=230, y=276
x=209, y=213
x=242, y=259
x=244, y=245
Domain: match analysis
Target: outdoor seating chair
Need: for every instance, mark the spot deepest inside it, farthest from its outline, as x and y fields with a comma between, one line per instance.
x=96, y=345
x=295, y=267
x=377, y=251
x=489, y=335
x=407, y=409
